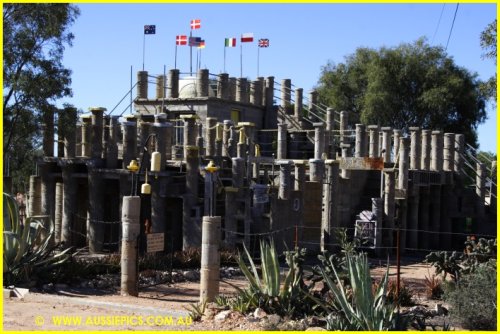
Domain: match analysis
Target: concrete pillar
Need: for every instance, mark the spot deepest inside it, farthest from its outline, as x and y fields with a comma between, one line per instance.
x=397, y=136
x=329, y=136
x=96, y=134
x=160, y=86
x=425, y=162
x=480, y=188
x=228, y=144
x=129, y=143
x=223, y=86
x=241, y=90
x=238, y=172
x=386, y=144
x=189, y=131
x=415, y=142
x=95, y=211
x=230, y=224
x=210, y=259
x=300, y=175
x=285, y=186
x=344, y=119
x=316, y=170
x=202, y=83
x=86, y=136
x=112, y=143
x=403, y=163
x=459, y=151
x=199, y=139
x=329, y=217
x=191, y=227
x=449, y=152
x=298, y=107
x=69, y=116
x=255, y=93
x=173, y=84
x=389, y=206
x=211, y=132
x=345, y=153
x=70, y=188
x=131, y=209
x=269, y=96
x=142, y=85
x=232, y=89
x=58, y=211
x=423, y=218
x=360, y=138
x=437, y=151
x=319, y=140
x=373, y=147
x=286, y=92
x=282, y=141
x=48, y=132
x=35, y=196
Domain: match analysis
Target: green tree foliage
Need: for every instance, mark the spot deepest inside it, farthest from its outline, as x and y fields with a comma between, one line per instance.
x=488, y=42
x=34, y=39
x=409, y=85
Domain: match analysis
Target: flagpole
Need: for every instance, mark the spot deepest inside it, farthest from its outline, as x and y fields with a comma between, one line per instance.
x=130, y=106
x=258, y=58
x=224, y=56
x=175, y=61
x=190, y=53
x=197, y=53
x=143, y=49
x=241, y=60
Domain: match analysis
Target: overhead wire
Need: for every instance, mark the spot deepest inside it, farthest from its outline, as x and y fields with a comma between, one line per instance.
x=452, y=25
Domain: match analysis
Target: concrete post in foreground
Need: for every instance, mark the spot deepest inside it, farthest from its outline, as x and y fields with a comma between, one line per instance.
x=330, y=201
x=389, y=205
x=415, y=142
x=189, y=131
x=282, y=141
x=210, y=259
x=210, y=133
x=403, y=163
x=386, y=144
x=58, y=211
x=131, y=208
x=360, y=138
x=425, y=162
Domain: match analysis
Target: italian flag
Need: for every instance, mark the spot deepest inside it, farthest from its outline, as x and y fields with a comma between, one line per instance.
x=248, y=37
x=230, y=42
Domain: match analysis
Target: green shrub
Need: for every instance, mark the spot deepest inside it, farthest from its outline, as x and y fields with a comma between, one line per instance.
x=472, y=299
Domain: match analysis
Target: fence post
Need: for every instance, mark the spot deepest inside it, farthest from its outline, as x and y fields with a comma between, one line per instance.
x=210, y=259
x=131, y=209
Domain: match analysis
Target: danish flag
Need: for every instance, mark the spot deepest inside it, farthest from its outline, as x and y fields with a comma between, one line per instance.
x=195, y=24
x=181, y=40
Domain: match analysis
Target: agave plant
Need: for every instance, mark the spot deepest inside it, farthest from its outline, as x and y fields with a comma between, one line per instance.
x=359, y=308
x=26, y=247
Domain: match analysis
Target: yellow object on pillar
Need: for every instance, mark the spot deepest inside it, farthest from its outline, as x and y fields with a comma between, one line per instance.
x=257, y=150
x=133, y=166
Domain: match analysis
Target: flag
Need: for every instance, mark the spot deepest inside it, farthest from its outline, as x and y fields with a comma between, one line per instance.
x=202, y=44
x=181, y=40
x=194, y=41
x=150, y=29
x=230, y=42
x=195, y=24
x=247, y=37
x=263, y=43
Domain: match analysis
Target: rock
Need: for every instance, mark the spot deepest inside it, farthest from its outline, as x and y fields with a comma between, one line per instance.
x=315, y=329
x=223, y=315
x=292, y=325
x=273, y=319
x=315, y=321
x=191, y=275
x=259, y=313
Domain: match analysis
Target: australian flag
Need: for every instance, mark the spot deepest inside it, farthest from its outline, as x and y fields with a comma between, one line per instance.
x=150, y=29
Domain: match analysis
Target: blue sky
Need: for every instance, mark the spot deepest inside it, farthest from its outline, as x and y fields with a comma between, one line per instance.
x=303, y=38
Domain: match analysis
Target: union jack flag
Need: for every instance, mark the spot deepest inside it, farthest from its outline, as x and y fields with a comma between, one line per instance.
x=263, y=43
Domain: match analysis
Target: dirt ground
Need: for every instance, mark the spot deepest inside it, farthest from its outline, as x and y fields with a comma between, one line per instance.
x=161, y=307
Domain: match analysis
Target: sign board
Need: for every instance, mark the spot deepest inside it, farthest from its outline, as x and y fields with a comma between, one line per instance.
x=156, y=242
x=362, y=163
x=366, y=232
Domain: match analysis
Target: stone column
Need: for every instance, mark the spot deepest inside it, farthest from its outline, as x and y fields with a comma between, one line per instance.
x=189, y=131
x=449, y=152
x=173, y=84
x=210, y=259
x=226, y=135
x=389, y=206
x=397, y=136
x=95, y=211
x=96, y=134
x=211, y=132
x=316, y=170
x=160, y=86
x=70, y=117
x=286, y=89
x=300, y=175
x=269, y=96
x=329, y=136
x=241, y=90
x=129, y=143
x=329, y=217
x=386, y=143
x=142, y=85
x=285, y=186
x=112, y=143
x=199, y=139
x=437, y=151
x=415, y=142
x=191, y=227
x=319, y=140
x=344, y=119
x=373, y=146
x=131, y=209
x=459, y=151
x=345, y=153
x=58, y=211
x=360, y=138
x=86, y=136
x=223, y=86
x=425, y=162
x=282, y=141
x=480, y=188
x=298, y=107
x=255, y=92
x=403, y=164
x=202, y=83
